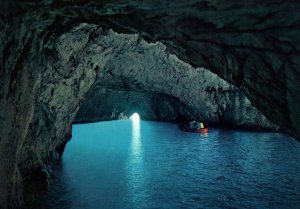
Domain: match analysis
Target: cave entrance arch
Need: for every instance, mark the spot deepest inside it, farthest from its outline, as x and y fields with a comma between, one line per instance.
x=136, y=76
x=115, y=105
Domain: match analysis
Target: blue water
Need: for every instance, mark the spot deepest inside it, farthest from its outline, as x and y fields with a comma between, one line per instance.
x=153, y=165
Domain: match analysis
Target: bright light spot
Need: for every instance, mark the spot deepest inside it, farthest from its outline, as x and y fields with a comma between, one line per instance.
x=135, y=117
x=136, y=135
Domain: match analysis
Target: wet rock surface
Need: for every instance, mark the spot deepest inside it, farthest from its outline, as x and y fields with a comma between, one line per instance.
x=253, y=45
x=141, y=76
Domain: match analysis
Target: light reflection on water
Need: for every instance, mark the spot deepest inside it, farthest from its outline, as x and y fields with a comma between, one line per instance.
x=136, y=138
x=126, y=164
x=134, y=166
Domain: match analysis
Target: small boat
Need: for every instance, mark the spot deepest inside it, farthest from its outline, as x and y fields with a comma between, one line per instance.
x=186, y=128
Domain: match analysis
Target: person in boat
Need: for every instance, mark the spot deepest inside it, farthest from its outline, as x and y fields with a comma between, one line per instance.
x=191, y=124
x=198, y=126
x=201, y=125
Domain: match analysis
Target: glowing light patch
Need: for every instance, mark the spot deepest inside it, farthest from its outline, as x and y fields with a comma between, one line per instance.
x=135, y=117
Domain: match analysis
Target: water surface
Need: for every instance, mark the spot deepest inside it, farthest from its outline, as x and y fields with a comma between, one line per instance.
x=149, y=165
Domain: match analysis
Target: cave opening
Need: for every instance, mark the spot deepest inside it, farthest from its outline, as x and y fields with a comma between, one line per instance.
x=135, y=117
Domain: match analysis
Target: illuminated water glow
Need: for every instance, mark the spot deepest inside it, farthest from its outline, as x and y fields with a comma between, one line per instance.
x=143, y=164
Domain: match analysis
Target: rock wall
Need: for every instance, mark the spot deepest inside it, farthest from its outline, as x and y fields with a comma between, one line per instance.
x=138, y=75
x=38, y=104
x=62, y=89
x=17, y=100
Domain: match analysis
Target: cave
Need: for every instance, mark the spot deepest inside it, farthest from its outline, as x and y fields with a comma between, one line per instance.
x=235, y=64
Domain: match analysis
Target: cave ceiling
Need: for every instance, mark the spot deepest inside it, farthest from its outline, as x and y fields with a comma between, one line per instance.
x=252, y=44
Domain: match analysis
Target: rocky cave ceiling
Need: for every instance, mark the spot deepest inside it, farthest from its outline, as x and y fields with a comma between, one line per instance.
x=247, y=48
x=252, y=44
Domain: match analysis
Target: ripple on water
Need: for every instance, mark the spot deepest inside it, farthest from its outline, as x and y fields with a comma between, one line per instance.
x=155, y=165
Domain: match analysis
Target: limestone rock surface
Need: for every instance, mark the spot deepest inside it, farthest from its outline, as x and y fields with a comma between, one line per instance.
x=141, y=76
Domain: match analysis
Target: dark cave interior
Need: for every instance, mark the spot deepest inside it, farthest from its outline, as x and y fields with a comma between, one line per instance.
x=65, y=62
